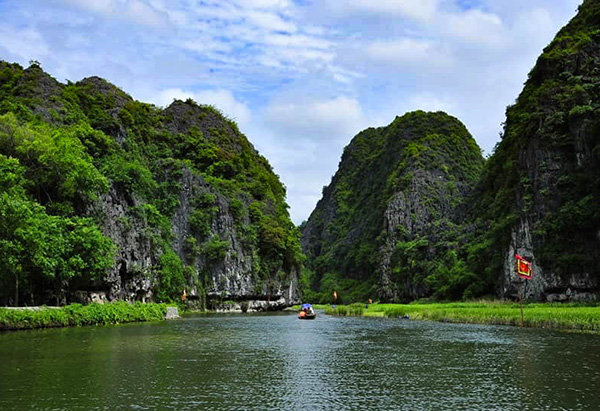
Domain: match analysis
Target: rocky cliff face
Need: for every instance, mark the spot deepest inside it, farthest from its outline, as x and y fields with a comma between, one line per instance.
x=541, y=188
x=391, y=211
x=191, y=205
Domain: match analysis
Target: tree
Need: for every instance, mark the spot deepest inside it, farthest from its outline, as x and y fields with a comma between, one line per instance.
x=171, y=281
x=36, y=246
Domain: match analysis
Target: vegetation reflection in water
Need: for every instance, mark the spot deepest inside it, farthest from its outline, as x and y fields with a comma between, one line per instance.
x=234, y=362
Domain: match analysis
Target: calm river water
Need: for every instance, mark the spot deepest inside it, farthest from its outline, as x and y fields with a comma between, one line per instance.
x=274, y=361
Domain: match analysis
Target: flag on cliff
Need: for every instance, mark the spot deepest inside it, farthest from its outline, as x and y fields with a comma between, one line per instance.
x=523, y=267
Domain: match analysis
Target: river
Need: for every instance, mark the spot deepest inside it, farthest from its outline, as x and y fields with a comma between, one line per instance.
x=275, y=361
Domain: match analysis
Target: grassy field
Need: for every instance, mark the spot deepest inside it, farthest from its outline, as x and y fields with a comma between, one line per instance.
x=566, y=316
x=78, y=315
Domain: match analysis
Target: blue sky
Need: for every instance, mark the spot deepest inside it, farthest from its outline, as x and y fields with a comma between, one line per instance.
x=301, y=77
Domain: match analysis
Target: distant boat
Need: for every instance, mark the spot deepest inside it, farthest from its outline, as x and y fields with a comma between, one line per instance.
x=307, y=312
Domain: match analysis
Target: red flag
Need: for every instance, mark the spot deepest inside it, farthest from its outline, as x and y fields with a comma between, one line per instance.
x=523, y=267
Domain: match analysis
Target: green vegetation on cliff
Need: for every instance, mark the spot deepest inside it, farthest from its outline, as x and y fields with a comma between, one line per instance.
x=542, y=184
x=43, y=243
x=70, y=152
x=390, y=222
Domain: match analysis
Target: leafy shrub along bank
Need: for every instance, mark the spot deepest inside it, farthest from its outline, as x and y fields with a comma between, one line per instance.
x=78, y=315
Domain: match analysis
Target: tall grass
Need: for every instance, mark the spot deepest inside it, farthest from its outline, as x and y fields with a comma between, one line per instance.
x=78, y=315
x=567, y=316
x=356, y=309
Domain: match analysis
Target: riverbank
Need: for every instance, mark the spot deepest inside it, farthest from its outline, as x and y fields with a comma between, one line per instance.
x=549, y=315
x=79, y=315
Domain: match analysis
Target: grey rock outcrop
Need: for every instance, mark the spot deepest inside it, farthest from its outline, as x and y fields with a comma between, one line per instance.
x=420, y=210
x=132, y=275
x=172, y=313
x=230, y=278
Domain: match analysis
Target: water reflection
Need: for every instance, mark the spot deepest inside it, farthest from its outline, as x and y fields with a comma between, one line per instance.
x=277, y=362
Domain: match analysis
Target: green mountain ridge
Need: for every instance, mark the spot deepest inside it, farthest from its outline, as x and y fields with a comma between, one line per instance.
x=105, y=197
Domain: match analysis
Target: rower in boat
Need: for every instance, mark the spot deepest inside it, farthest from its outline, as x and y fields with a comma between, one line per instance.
x=307, y=312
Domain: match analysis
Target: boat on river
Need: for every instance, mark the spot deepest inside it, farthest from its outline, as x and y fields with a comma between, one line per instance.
x=307, y=312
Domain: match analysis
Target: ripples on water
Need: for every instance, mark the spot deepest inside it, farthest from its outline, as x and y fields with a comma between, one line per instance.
x=243, y=362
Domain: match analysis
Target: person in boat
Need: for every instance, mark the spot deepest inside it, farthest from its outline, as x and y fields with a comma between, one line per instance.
x=307, y=310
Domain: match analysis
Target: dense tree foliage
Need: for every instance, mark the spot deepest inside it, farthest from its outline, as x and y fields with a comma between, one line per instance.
x=41, y=251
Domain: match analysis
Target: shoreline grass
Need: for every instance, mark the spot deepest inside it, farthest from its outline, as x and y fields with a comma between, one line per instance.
x=75, y=315
x=571, y=316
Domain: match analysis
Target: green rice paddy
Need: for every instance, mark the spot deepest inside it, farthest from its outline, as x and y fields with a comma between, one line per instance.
x=548, y=315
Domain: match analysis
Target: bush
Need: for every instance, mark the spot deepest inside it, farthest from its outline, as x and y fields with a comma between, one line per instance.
x=79, y=315
x=171, y=282
x=216, y=249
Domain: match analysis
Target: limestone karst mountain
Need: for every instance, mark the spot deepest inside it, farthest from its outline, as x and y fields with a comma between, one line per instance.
x=389, y=222
x=107, y=197
x=540, y=193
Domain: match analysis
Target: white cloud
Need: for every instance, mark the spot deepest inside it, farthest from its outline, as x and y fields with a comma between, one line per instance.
x=97, y=6
x=296, y=57
x=535, y=25
x=421, y=10
x=226, y=102
x=331, y=119
x=341, y=78
x=205, y=46
x=166, y=97
x=431, y=102
x=303, y=41
x=475, y=26
x=270, y=21
x=265, y=4
x=132, y=10
x=409, y=51
x=144, y=14
x=23, y=44
x=304, y=140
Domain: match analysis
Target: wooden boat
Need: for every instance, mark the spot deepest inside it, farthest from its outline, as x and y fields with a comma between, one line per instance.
x=304, y=316
x=307, y=312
